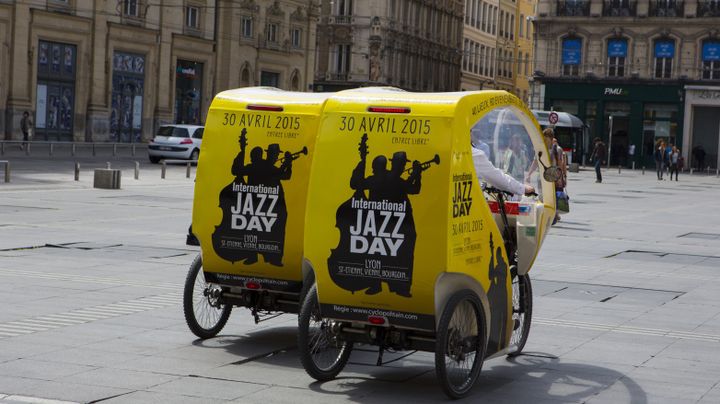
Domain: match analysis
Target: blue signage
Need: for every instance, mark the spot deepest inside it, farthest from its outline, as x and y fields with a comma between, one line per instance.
x=664, y=49
x=571, y=51
x=617, y=48
x=711, y=51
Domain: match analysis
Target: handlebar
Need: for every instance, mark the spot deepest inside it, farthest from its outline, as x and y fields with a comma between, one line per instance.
x=493, y=190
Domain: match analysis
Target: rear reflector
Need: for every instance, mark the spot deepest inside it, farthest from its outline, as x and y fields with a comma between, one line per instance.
x=274, y=108
x=252, y=285
x=376, y=320
x=186, y=141
x=389, y=110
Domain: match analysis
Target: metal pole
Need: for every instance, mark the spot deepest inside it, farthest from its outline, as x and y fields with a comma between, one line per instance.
x=137, y=170
x=187, y=172
x=51, y=148
x=93, y=149
x=643, y=170
x=633, y=166
x=132, y=149
x=609, y=141
x=72, y=153
x=162, y=170
x=27, y=149
x=114, y=149
x=77, y=171
x=7, y=171
x=619, y=168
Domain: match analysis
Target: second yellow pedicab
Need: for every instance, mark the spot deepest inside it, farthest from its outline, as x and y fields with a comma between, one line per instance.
x=249, y=206
x=406, y=252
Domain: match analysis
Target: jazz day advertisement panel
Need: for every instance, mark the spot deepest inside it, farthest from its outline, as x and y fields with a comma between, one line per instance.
x=250, y=194
x=377, y=199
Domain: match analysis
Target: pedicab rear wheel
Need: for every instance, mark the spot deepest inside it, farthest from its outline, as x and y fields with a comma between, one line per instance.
x=522, y=313
x=322, y=353
x=204, y=315
x=460, y=344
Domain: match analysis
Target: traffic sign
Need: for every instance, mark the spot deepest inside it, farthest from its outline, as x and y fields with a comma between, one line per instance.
x=553, y=118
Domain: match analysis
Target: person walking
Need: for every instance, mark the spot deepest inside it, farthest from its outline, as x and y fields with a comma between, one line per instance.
x=26, y=126
x=598, y=156
x=660, y=159
x=674, y=162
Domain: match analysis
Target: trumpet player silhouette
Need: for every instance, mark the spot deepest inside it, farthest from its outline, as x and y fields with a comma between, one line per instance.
x=253, y=205
x=377, y=238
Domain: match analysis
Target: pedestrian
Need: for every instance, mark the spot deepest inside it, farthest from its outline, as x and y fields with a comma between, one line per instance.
x=598, y=156
x=674, y=162
x=668, y=151
x=660, y=159
x=26, y=126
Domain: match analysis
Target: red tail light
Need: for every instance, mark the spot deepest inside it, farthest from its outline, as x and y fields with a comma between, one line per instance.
x=273, y=108
x=186, y=141
x=389, y=110
x=252, y=285
x=376, y=320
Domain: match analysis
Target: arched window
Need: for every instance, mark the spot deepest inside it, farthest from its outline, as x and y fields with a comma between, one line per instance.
x=664, y=54
x=295, y=81
x=711, y=59
x=616, y=56
x=245, y=77
x=571, y=56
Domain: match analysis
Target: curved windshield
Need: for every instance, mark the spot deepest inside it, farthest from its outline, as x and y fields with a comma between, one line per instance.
x=503, y=134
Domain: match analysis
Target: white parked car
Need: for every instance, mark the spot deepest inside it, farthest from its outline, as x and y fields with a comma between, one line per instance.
x=176, y=142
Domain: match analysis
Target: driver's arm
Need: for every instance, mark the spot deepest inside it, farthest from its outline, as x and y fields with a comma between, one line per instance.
x=495, y=176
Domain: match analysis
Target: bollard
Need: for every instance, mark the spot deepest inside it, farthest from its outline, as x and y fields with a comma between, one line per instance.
x=619, y=168
x=162, y=170
x=132, y=150
x=717, y=172
x=114, y=149
x=108, y=165
x=93, y=149
x=708, y=170
x=643, y=170
x=187, y=172
x=691, y=170
x=7, y=171
x=27, y=148
x=51, y=148
x=137, y=170
x=633, y=166
x=77, y=171
x=72, y=152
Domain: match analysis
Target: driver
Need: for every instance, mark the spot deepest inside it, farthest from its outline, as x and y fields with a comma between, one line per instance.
x=495, y=176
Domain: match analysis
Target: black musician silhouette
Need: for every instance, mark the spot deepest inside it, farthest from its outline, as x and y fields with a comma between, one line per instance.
x=377, y=230
x=497, y=298
x=253, y=205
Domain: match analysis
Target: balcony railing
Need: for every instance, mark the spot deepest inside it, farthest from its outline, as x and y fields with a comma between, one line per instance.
x=339, y=76
x=573, y=8
x=619, y=8
x=666, y=8
x=708, y=8
x=342, y=19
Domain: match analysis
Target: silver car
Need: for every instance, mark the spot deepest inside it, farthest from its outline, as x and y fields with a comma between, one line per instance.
x=176, y=142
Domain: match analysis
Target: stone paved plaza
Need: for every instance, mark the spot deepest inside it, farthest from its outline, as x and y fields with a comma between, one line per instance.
x=626, y=305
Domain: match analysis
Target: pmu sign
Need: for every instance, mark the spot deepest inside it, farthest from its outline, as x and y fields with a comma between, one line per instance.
x=614, y=91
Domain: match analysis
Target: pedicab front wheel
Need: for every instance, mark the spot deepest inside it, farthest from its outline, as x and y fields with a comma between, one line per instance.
x=204, y=314
x=460, y=344
x=322, y=352
x=522, y=313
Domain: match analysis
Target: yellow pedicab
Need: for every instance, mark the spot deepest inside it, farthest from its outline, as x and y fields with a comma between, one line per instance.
x=406, y=252
x=249, y=206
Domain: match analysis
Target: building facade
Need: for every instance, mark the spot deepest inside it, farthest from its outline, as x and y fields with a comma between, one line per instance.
x=634, y=71
x=267, y=43
x=411, y=44
x=116, y=70
x=497, y=45
x=480, y=44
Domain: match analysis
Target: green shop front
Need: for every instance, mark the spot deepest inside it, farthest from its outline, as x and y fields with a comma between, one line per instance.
x=629, y=118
